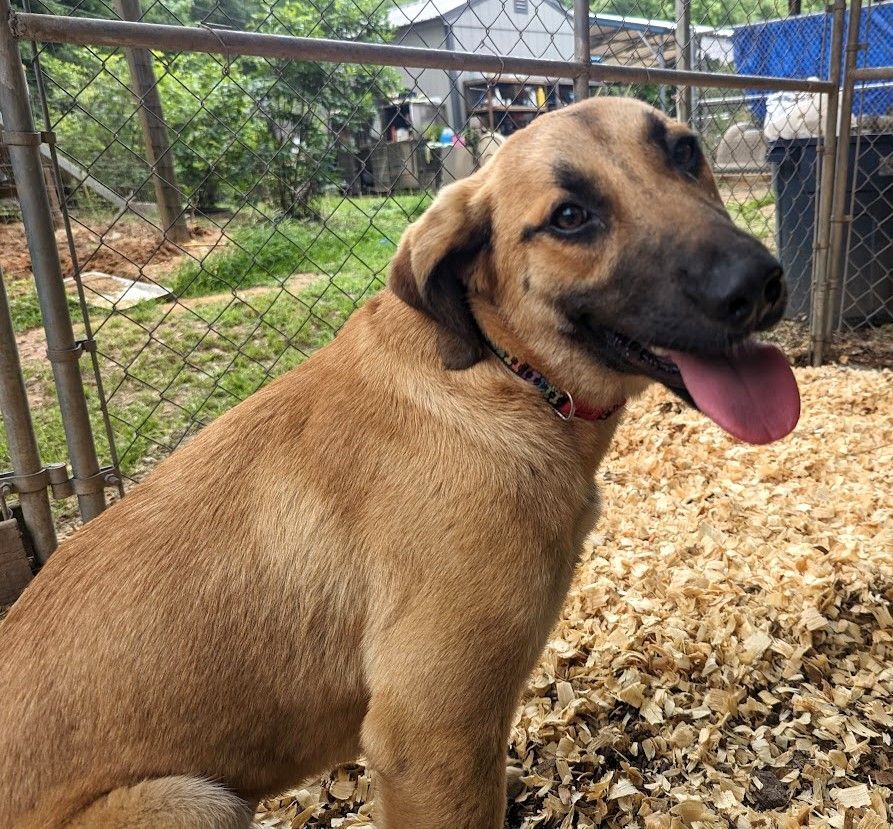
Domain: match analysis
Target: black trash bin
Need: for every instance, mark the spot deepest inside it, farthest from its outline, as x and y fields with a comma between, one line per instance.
x=868, y=292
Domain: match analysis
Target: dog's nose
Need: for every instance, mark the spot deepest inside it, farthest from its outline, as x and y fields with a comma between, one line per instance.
x=743, y=290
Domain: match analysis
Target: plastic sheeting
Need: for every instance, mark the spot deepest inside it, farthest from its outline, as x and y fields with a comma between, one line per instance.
x=800, y=47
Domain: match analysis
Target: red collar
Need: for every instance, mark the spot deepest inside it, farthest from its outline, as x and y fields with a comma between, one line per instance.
x=561, y=401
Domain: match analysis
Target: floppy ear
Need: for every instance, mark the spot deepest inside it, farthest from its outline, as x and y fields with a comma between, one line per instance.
x=430, y=269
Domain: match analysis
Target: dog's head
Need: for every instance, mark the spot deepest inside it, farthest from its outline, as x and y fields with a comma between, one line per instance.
x=598, y=236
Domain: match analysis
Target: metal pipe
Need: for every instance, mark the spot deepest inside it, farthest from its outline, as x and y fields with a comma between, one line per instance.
x=873, y=73
x=682, y=33
x=86, y=31
x=73, y=256
x=836, y=262
x=20, y=437
x=820, y=260
x=457, y=96
x=582, y=48
x=31, y=186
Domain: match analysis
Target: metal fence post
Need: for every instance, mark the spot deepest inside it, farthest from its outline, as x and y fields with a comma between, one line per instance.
x=582, y=50
x=24, y=152
x=821, y=259
x=683, y=58
x=158, y=151
x=835, y=263
x=23, y=451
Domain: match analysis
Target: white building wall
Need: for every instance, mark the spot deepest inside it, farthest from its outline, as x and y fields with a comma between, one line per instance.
x=496, y=27
x=490, y=27
x=433, y=84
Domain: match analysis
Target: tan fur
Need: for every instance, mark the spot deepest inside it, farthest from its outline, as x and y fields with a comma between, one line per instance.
x=365, y=556
x=169, y=802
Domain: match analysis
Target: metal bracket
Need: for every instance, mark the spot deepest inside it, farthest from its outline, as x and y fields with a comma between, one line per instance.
x=108, y=476
x=67, y=355
x=11, y=138
x=55, y=476
x=36, y=481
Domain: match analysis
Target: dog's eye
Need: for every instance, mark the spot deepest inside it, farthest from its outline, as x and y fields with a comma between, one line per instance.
x=569, y=217
x=686, y=154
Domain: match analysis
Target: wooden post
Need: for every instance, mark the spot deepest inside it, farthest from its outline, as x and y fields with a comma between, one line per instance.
x=158, y=154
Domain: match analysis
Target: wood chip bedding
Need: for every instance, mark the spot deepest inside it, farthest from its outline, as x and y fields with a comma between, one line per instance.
x=726, y=655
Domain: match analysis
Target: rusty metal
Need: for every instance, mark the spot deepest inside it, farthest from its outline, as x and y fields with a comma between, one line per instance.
x=96, y=32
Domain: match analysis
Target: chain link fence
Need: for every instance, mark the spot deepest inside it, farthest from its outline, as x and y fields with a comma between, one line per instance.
x=217, y=203
x=220, y=208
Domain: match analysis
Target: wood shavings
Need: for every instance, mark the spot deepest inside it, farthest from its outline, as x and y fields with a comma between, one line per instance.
x=726, y=655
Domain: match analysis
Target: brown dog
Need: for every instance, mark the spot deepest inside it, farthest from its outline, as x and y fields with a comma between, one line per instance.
x=368, y=555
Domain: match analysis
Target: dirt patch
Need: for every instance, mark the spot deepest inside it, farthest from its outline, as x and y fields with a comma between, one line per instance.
x=32, y=345
x=130, y=248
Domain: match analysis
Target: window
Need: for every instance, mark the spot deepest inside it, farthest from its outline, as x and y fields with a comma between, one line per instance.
x=520, y=6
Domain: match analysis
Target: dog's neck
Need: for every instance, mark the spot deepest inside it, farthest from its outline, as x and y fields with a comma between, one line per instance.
x=569, y=399
x=561, y=400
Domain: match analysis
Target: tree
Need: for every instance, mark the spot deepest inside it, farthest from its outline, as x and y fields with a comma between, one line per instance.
x=301, y=102
x=243, y=129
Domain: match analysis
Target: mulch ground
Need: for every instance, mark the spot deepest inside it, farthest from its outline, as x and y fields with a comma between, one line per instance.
x=725, y=658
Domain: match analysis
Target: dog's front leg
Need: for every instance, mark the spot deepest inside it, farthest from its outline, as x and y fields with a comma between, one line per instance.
x=437, y=729
x=444, y=772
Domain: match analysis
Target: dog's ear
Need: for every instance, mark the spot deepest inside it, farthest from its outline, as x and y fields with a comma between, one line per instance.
x=430, y=269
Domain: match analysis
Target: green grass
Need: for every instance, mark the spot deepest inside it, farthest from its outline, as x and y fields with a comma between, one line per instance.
x=194, y=365
x=754, y=217
x=23, y=305
x=350, y=237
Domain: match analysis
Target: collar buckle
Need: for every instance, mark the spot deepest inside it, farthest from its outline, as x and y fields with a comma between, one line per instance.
x=571, y=411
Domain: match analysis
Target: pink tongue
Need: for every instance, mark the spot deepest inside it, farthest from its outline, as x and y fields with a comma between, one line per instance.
x=751, y=392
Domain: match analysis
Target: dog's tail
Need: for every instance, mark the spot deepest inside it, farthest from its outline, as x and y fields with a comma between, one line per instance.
x=169, y=802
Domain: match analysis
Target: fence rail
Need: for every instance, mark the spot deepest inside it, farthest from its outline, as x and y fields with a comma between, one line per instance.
x=97, y=32
x=286, y=151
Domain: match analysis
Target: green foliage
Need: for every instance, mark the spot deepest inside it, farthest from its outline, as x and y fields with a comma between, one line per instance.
x=243, y=131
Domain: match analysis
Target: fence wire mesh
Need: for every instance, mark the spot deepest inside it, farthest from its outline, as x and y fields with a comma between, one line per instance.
x=866, y=299
x=226, y=214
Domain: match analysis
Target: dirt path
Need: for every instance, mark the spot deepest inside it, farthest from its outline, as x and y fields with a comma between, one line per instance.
x=293, y=284
x=129, y=248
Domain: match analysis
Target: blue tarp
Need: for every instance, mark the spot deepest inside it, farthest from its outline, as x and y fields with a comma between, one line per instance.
x=800, y=47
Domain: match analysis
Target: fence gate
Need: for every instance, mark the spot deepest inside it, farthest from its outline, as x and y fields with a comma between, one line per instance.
x=229, y=180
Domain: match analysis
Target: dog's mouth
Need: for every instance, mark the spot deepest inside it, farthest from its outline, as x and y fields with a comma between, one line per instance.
x=748, y=389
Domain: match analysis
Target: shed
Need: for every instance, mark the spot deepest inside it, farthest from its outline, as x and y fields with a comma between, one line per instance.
x=522, y=28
